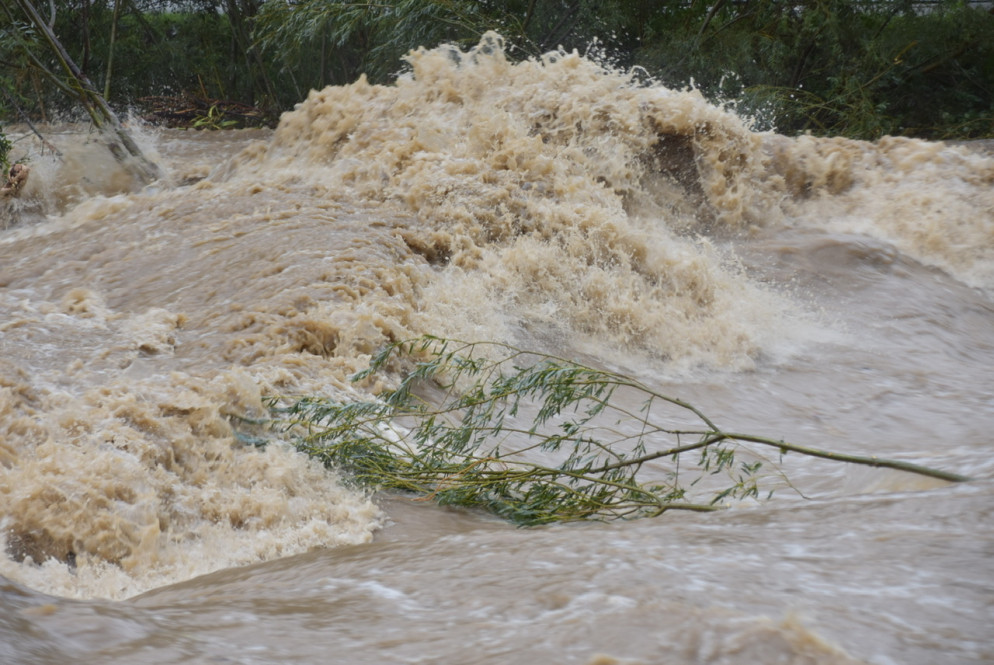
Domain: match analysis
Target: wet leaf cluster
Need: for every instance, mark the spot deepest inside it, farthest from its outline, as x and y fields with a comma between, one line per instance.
x=534, y=438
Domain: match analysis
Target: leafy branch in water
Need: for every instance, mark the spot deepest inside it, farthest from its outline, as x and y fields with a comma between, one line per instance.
x=535, y=438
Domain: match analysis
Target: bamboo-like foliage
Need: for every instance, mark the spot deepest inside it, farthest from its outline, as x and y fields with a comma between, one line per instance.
x=535, y=438
x=857, y=68
x=77, y=85
x=5, y=147
x=365, y=37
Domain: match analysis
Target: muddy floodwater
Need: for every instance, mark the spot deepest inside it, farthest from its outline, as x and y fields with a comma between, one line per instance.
x=834, y=293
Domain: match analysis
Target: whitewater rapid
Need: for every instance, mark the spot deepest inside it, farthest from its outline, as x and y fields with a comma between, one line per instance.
x=833, y=292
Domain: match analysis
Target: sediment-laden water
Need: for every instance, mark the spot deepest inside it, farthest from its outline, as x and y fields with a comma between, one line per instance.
x=834, y=293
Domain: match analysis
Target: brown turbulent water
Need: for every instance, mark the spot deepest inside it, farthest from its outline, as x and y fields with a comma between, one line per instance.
x=831, y=292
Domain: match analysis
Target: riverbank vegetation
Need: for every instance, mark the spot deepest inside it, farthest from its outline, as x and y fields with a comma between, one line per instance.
x=857, y=68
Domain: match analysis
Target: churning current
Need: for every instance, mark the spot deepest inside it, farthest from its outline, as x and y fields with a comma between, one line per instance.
x=830, y=292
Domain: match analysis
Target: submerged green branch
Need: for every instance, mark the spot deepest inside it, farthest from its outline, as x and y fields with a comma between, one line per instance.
x=535, y=438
